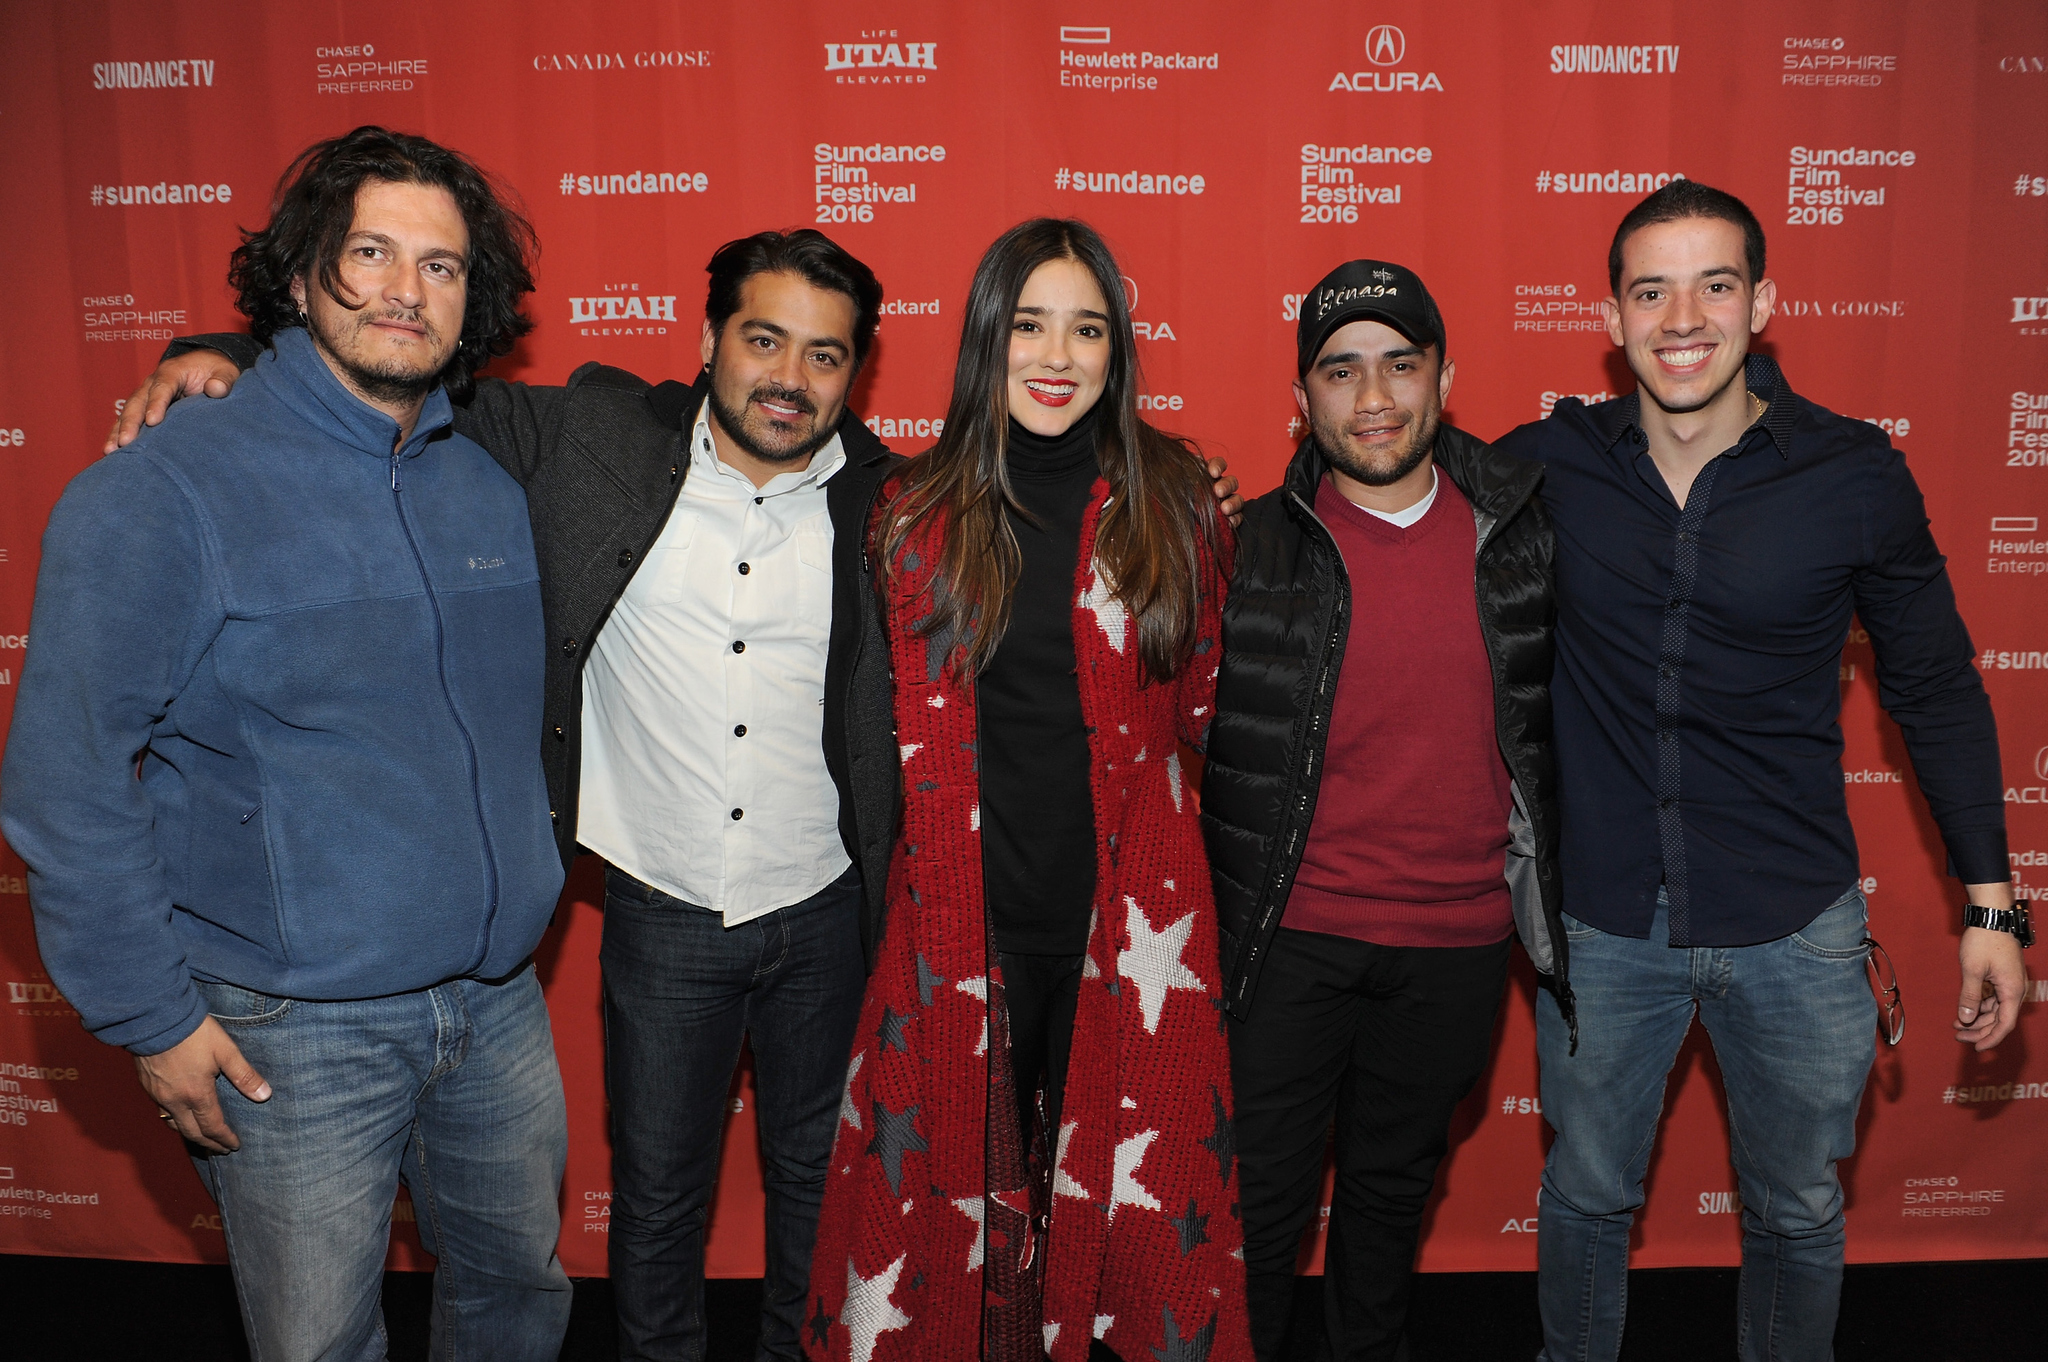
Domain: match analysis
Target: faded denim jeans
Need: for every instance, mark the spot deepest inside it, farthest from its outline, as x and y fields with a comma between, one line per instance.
x=452, y=1090
x=1794, y=1029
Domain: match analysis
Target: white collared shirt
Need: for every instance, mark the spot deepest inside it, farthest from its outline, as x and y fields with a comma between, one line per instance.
x=703, y=760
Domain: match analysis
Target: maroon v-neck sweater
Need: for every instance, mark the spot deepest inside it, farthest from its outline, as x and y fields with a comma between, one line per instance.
x=1410, y=836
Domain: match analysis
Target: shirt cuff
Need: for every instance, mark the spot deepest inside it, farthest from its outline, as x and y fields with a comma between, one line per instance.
x=1977, y=855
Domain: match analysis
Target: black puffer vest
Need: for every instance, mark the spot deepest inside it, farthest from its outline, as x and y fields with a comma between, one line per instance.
x=1284, y=631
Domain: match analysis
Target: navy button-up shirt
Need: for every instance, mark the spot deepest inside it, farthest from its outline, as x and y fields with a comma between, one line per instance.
x=1697, y=693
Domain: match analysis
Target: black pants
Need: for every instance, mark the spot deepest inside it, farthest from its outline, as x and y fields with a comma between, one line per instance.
x=1388, y=1040
x=1043, y=991
x=680, y=990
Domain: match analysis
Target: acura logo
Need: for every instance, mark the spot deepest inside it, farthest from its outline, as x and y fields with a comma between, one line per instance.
x=2041, y=763
x=1131, y=293
x=1385, y=44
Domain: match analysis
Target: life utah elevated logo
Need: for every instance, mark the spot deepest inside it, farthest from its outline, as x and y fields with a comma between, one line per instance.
x=1386, y=53
x=880, y=56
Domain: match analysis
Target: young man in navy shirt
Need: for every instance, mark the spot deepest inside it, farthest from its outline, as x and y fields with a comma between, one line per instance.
x=1715, y=534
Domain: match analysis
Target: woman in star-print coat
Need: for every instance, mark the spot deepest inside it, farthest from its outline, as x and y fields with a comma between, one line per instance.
x=958, y=1221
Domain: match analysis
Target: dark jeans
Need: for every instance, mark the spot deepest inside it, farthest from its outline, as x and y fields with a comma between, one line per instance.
x=680, y=990
x=1043, y=992
x=1388, y=1040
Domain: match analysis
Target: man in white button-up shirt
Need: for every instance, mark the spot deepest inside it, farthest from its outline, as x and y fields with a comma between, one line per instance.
x=702, y=767
x=732, y=906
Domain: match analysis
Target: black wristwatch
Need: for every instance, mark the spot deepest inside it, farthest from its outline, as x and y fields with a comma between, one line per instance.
x=2015, y=919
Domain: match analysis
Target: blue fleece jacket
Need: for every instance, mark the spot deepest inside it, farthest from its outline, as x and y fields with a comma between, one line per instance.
x=279, y=726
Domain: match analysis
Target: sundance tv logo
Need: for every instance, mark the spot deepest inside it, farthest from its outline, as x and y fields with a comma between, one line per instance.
x=1595, y=59
x=175, y=73
x=879, y=58
x=1385, y=47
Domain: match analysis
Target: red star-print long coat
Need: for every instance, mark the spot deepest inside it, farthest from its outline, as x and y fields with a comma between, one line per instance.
x=1142, y=1247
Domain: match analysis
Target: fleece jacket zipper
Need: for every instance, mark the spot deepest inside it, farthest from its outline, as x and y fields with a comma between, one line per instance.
x=476, y=795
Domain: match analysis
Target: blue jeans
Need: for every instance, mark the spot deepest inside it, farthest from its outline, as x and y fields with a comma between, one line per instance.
x=680, y=990
x=453, y=1090
x=1794, y=1028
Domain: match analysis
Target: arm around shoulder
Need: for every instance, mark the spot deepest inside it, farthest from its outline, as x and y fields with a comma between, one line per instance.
x=516, y=423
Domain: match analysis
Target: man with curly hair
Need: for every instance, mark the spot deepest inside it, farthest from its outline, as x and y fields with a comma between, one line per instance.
x=272, y=770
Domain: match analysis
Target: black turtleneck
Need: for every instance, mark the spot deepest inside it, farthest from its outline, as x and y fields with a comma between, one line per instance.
x=1037, y=815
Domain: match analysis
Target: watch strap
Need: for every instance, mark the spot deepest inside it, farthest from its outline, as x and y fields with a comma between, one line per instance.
x=2016, y=920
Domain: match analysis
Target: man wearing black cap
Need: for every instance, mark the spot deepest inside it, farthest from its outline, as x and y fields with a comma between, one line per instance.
x=1378, y=799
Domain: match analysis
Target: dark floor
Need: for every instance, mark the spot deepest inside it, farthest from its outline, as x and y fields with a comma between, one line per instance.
x=82, y=1310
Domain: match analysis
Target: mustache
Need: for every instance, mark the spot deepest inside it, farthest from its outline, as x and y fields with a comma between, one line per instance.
x=788, y=397
x=410, y=316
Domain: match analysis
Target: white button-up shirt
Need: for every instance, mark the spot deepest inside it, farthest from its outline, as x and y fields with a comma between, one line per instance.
x=704, y=697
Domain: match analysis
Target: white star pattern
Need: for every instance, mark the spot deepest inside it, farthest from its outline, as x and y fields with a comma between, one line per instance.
x=909, y=750
x=1153, y=962
x=973, y=1209
x=848, y=1112
x=974, y=819
x=1062, y=1185
x=1052, y=1331
x=1125, y=1189
x=1173, y=778
x=867, y=1311
x=977, y=987
x=1109, y=611
x=1103, y=1324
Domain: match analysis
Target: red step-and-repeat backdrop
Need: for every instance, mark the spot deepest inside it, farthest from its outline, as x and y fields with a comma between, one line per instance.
x=1232, y=153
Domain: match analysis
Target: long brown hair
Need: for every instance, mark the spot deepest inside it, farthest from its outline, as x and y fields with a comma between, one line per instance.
x=1161, y=514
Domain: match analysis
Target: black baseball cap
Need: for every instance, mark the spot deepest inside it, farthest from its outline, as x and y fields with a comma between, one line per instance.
x=1366, y=290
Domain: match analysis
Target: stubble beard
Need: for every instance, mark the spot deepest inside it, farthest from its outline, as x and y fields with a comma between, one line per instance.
x=733, y=420
x=390, y=380
x=1389, y=467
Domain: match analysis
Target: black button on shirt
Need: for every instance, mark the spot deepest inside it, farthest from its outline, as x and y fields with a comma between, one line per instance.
x=1697, y=692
